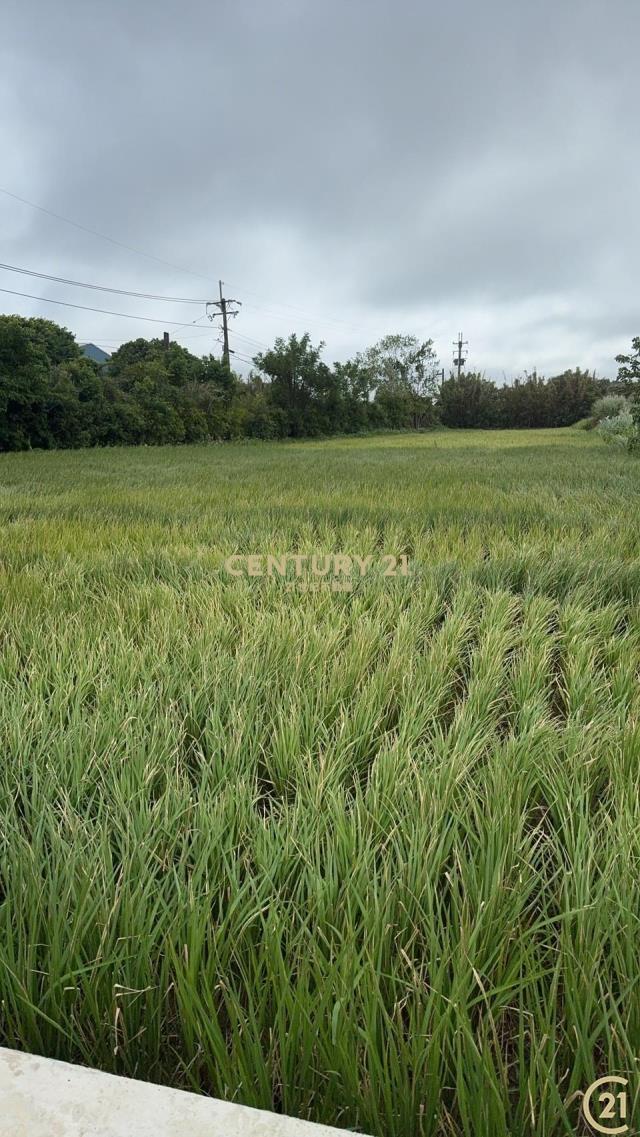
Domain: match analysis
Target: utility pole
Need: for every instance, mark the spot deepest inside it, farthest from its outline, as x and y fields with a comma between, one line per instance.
x=225, y=327
x=459, y=359
x=223, y=309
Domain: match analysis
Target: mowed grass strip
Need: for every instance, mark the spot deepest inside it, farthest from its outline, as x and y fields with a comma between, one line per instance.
x=372, y=858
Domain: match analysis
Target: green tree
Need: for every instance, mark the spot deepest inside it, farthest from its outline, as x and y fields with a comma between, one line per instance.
x=400, y=360
x=571, y=396
x=469, y=400
x=214, y=371
x=24, y=368
x=254, y=414
x=149, y=385
x=404, y=376
x=628, y=381
x=355, y=382
x=74, y=403
x=57, y=343
x=38, y=393
x=301, y=385
x=524, y=403
x=179, y=364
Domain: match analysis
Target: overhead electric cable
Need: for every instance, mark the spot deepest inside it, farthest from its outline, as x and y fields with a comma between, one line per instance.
x=96, y=233
x=102, y=287
x=103, y=311
x=177, y=268
x=295, y=308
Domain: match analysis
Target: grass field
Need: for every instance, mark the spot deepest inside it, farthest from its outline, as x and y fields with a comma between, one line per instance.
x=370, y=858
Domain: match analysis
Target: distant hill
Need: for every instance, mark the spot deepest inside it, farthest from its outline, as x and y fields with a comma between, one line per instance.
x=93, y=352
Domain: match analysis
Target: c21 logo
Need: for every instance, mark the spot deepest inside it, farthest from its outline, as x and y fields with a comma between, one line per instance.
x=611, y=1108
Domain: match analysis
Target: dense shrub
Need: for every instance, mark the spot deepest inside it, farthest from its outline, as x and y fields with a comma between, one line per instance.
x=618, y=429
x=471, y=400
x=153, y=393
x=609, y=406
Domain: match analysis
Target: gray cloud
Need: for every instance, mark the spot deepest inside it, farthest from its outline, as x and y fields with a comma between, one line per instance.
x=354, y=167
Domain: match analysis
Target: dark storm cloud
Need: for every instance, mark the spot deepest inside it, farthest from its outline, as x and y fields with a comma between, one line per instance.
x=354, y=166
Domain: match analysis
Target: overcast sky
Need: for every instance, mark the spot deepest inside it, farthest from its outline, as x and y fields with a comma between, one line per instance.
x=350, y=167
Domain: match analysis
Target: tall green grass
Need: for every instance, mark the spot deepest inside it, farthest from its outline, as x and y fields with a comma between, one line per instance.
x=368, y=858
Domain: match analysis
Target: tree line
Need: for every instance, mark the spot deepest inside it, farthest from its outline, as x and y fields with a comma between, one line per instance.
x=53, y=396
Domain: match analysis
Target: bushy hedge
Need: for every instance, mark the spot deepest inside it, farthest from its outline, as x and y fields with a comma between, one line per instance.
x=617, y=429
x=52, y=396
x=610, y=406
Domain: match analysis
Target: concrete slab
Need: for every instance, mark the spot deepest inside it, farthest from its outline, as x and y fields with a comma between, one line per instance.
x=41, y=1097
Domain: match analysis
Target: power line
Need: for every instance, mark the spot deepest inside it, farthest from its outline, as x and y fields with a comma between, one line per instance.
x=126, y=292
x=97, y=338
x=301, y=311
x=250, y=340
x=102, y=287
x=96, y=233
x=167, y=264
x=103, y=311
x=305, y=317
x=197, y=321
x=144, y=295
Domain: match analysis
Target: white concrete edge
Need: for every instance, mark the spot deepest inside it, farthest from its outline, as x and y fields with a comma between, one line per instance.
x=42, y=1097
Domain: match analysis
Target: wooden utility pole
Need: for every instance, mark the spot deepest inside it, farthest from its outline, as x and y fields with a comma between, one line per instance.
x=225, y=327
x=223, y=309
x=459, y=359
